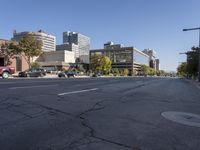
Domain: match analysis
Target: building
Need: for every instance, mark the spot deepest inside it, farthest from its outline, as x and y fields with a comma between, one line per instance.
x=83, y=42
x=153, y=62
x=69, y=47
x=123, y=57
x=48, y=41
x=18, y=62
x=56, y=60
x=157, y=64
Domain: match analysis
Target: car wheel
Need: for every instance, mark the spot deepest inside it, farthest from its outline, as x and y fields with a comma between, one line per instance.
x=5, y=75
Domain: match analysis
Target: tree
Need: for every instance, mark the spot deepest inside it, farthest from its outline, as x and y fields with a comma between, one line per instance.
x=35, y=65
x=152, y=72
x=105, y=64
x=115, y=71
x=100, y=63
x=161, y=73
x=29, y=47
x=145, y=69
x=134, y=72
x=192, y=61
x=126, y=72
x=182, y=69
x=95, y=62
x=8, y=51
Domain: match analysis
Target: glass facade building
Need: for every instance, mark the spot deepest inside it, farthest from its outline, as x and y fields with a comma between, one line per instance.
x=82, y=41
x=140, y=58
x=123, y=57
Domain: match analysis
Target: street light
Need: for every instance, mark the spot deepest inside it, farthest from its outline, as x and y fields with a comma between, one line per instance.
x=198, y=49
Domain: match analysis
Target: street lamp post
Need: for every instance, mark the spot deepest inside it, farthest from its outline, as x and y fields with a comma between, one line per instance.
x=198, y=49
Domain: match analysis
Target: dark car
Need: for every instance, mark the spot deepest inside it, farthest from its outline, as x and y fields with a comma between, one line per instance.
x=67, y=74
x=96, y=75
x=33, y=72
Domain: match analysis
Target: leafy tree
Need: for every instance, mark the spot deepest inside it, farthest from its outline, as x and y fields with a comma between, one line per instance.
x=126, y=72
x=145, y=69
x=105, y=64
x=35, y=65
x=100, y=63
x=152, y=72
x=8, y=51
x=161, y=73
x=134, y=72
x=115, y=71
x=29, y=47
x=192, y=61
x=182, y=69
x=95, y=62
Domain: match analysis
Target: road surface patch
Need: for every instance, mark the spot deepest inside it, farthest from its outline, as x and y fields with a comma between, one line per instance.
x=183, y=118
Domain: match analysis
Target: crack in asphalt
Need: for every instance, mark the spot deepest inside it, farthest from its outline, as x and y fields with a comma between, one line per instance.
x=92, y=130
x=96, y=107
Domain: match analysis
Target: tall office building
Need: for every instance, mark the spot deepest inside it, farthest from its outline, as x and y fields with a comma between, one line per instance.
x=48, y=41
x=82, y=41
x=152, y=56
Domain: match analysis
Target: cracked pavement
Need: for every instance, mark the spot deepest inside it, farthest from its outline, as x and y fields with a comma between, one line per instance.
x=122, y=114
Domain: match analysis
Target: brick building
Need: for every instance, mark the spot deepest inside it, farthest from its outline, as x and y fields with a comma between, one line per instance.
x=18, y=62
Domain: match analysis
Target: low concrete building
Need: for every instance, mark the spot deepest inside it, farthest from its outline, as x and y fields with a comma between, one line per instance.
x=56, y=59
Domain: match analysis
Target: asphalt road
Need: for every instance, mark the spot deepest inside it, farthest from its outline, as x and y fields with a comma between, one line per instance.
x=97, y=114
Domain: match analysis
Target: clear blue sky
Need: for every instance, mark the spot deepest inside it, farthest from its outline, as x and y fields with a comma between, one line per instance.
x=155, y=24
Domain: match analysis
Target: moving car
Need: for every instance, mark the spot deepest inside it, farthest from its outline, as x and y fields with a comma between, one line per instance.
x=33, y=72
x=5, y=72
x=67, y=74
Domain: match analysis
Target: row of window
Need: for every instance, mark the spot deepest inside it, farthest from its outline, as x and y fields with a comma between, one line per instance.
x=124, y=56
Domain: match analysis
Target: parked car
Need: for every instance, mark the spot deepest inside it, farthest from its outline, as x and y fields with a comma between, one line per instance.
x=96, y=75
x=33, y=72
x=5, y=72
x=67, y=74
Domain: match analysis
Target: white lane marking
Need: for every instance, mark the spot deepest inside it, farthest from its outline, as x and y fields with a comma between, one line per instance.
x=36, y=86
x=74, y=92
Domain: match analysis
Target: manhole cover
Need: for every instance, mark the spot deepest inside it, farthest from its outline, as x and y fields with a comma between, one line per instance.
x=183, y=118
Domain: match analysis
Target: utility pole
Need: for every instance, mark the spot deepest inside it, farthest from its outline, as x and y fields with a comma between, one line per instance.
x=198, y=49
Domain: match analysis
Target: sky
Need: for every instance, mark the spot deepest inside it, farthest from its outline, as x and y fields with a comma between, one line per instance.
x=154, y=24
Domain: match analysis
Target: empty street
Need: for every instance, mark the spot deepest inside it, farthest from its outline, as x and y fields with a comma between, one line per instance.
x=127, y=113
